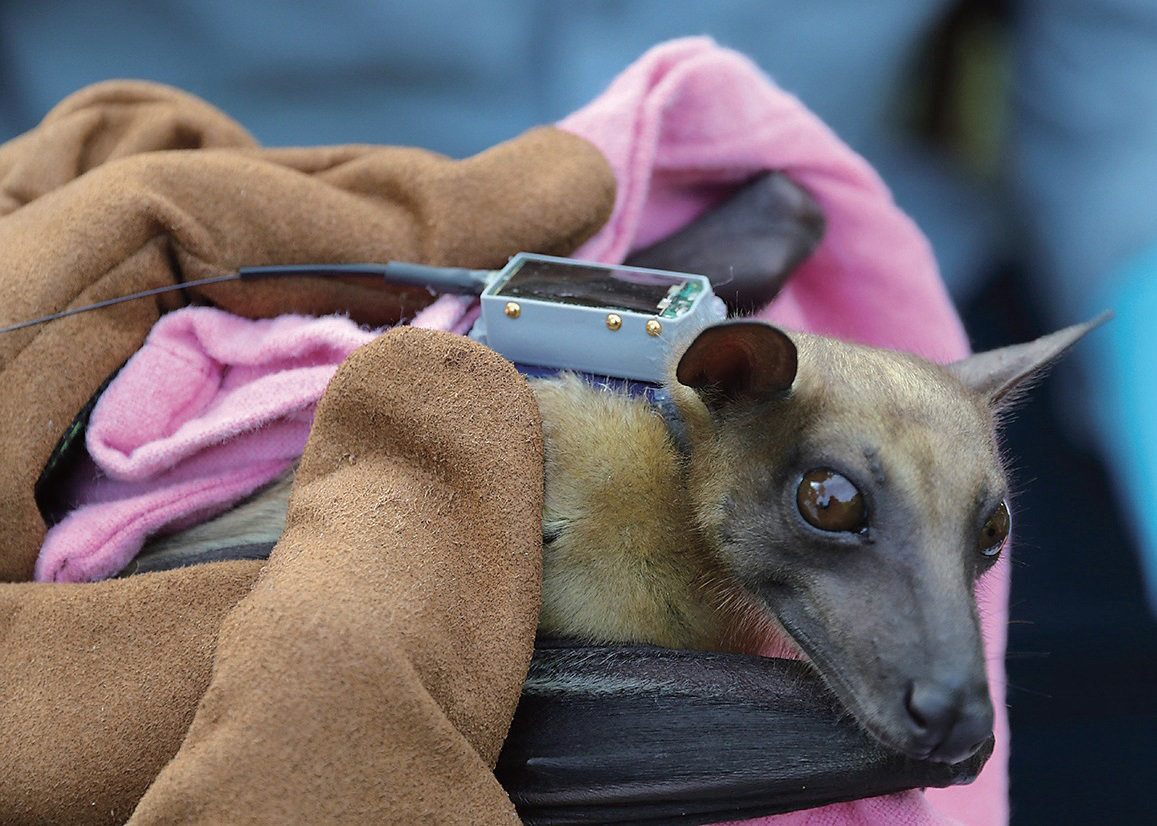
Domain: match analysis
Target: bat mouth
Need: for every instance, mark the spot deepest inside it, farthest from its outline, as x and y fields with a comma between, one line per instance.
x=751, y=628
x=918, y=719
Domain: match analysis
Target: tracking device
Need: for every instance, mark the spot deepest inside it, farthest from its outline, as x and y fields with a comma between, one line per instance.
x=537, y=311
x=608, y=320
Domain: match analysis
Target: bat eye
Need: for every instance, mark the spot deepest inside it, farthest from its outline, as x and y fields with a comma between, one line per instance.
x=829, y=501
x=995, y=531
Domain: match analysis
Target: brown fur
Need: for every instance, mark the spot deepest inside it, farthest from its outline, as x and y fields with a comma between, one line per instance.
x=622, y=560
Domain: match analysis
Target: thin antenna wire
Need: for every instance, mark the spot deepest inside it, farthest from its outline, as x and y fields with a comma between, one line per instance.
x=440, y=279
x=168, y=288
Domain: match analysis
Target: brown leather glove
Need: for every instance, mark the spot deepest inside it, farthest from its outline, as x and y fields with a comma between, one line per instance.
x=367, y=674
x=127, y=186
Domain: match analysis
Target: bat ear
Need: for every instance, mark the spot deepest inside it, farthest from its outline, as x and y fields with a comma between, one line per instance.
x=995, y=373
x=738, y=361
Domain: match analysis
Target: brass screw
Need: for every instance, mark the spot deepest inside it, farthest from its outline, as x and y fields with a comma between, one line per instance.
x=512, y=310
x=654, y=327
x=614, y=321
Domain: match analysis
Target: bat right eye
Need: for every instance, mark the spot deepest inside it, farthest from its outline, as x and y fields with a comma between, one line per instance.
x=831, y=502
x=995, y=531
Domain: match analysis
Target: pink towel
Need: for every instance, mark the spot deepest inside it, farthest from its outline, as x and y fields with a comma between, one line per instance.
x=211, y=408
x=690, y=118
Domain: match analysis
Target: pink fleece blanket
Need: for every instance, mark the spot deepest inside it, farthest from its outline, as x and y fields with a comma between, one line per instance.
x=211, y=408
x=685, y=119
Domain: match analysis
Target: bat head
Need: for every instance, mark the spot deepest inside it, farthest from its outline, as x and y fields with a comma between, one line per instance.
x=856, y=496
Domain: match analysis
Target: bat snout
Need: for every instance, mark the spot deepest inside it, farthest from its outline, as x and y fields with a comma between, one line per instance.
x=948, y=719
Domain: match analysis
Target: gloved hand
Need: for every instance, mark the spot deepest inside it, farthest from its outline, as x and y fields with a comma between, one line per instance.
x=127, y=186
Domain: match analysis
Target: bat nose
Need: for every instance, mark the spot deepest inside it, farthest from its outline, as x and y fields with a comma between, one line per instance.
x=949, y=719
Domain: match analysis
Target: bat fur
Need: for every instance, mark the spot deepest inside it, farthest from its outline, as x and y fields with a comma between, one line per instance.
x=692, y=529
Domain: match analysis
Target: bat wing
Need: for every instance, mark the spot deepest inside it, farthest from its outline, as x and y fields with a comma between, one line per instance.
x=644, y=735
